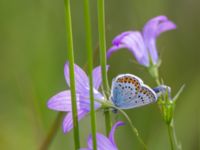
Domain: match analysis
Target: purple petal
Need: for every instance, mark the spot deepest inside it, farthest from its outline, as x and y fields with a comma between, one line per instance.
x=133, y=41
x=81, y=79
x=112, y=132
x=85, y=104
x=62, y=102
x=68, y=120
x=117, y=43
x=85, y=149
x=114, y=49
x=103, y=143
x=97, y=79
x=154, y=28
x=117, y=40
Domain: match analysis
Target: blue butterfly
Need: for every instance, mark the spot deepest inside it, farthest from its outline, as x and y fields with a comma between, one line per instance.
x=128, y=91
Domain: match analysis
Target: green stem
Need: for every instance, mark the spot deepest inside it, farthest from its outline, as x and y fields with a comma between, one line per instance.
x=56, y=124
x=177, y=145
x=170, y=133
x=90, y=67
x=102, y=46
x=170, y=125
x=71, y=71
x=49, y=138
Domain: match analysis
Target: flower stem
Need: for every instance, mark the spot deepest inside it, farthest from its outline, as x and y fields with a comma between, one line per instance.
x=173, y=132
x=90, y=68
x=170, y=125
x=102, y=46
x=170, y=133
x=71, y=71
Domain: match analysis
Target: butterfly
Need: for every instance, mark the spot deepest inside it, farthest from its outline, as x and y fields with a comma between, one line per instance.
x=128, y=91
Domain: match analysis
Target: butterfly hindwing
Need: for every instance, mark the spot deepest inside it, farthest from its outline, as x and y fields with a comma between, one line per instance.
x=128, y=91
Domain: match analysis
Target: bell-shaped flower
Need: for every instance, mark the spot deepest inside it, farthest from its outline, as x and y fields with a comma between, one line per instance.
x=143, y=44
x=103, y=142
x=62, y=100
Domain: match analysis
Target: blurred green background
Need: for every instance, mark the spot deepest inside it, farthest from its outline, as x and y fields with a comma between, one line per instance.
x=33, y=53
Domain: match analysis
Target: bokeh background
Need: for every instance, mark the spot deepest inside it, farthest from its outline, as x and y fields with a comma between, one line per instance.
x=33, y=53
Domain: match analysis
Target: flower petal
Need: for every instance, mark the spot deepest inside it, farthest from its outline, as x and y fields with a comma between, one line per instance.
x=68, y=120
x=81, y=79
x=154, y=28
x=103, y=143
x=85, y=103
x=97, y=79
x=117, y=40
x=112, y=132
x=132, y=40
x=117, y=43
x=114, y=49
x=62, y=102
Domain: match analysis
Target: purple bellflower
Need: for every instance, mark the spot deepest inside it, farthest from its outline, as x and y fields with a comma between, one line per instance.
x=143, y=44
x=104, y=143
x=62, y=100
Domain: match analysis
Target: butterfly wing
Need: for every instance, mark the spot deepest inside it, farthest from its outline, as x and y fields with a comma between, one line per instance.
x=145, y=96
x=128, y=91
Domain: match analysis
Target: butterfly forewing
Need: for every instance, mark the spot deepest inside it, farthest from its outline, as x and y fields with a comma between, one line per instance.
x=128, y=91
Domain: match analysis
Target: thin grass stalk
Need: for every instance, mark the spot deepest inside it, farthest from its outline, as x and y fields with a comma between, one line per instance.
x=90, y=68
x=102, y=47
x=71, y=71
x=58, y=120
